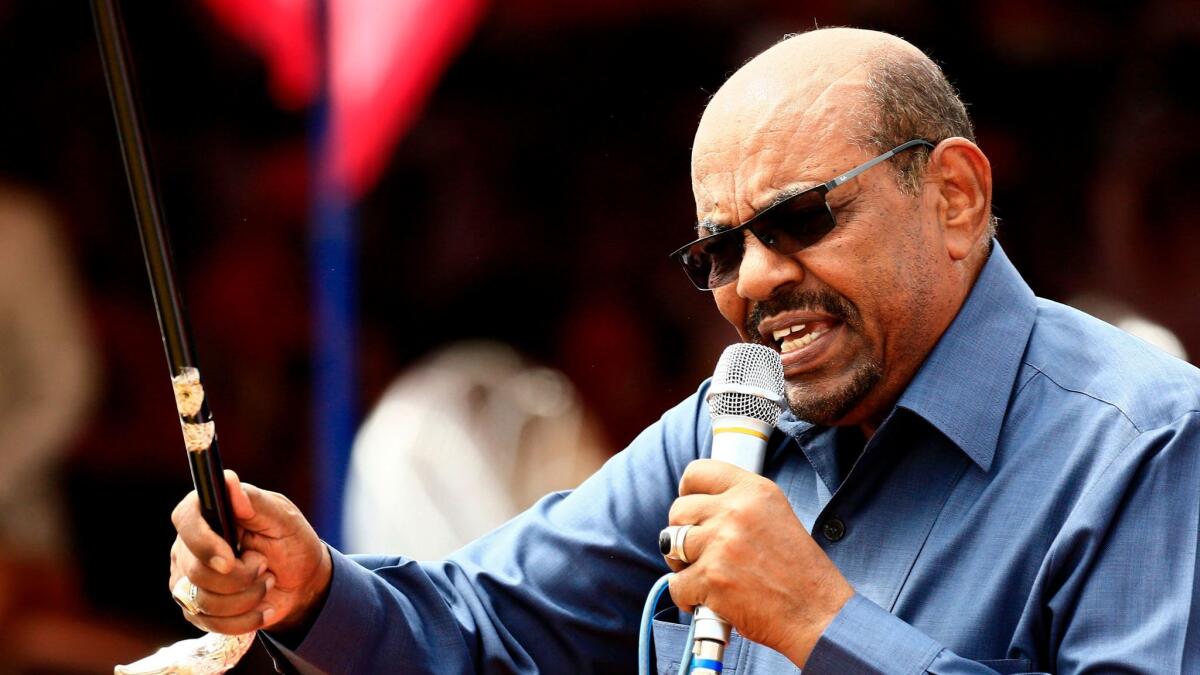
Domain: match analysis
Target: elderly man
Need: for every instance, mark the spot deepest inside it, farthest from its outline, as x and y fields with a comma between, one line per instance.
x=970, y=479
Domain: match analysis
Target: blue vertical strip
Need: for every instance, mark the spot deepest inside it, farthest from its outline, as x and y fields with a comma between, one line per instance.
x=332, y=261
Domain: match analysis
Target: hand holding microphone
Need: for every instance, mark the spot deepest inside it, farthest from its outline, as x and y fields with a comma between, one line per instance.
x=740, y=554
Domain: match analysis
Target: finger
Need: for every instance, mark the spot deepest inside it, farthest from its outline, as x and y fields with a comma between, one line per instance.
x=684, y=591
x=711, y=477
x=242, y=573
x=198, y=537
x=693, y=542
x=692, y=509
x=233, y=625
x=221, y=605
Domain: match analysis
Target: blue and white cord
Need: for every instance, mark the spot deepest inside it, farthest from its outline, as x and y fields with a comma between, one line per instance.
x=646, y=633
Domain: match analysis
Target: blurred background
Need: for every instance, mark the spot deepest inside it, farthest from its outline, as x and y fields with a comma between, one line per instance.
x=462, y=208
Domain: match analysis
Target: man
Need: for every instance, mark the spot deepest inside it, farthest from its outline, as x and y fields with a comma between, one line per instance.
x=992, y=482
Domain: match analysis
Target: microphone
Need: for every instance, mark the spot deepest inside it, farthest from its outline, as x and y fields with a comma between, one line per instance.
x=745, y=399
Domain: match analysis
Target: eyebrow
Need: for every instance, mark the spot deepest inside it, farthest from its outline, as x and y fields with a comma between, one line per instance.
x=705, y=228
x=708, y=227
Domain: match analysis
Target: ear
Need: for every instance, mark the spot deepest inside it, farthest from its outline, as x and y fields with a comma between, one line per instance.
x=962, y=177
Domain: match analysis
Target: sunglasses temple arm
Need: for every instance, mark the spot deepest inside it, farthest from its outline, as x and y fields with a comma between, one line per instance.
x=882, y=158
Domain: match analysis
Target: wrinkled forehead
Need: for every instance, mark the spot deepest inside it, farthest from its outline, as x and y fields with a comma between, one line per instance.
x=772, y=132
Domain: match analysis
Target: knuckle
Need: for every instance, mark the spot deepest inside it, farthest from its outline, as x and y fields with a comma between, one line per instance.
x=676, y=512
x=765, y=489
x=718, y=579
x=177, y=515
x=192, y=569
x=738, y=510
x=681, y=594
x=676, y=587
x=716, y=547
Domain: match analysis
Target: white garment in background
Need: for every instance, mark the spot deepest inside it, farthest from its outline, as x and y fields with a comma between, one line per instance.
x=46, y=373
x=459, y=444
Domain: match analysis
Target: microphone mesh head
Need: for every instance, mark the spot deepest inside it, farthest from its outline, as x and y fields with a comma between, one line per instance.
x=748, y=381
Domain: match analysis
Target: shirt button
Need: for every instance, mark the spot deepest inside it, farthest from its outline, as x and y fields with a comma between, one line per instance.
x=833, y=529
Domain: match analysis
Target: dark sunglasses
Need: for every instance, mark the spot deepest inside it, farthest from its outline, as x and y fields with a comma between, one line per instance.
x=787, y=226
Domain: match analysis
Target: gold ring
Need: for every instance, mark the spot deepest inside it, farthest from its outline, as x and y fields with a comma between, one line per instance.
x=184, y=593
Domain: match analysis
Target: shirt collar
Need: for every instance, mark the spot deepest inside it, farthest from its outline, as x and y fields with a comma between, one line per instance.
x=964, y=385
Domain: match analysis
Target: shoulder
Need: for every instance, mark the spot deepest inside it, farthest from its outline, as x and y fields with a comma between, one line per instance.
x=1102, y=367
x=683, y=431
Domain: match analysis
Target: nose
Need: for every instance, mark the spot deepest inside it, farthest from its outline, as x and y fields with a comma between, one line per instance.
x=763, y=271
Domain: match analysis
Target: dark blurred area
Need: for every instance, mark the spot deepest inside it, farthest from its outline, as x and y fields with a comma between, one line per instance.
x=533, y=203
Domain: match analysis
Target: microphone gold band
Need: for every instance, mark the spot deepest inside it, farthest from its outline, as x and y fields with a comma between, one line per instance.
x=741, y=430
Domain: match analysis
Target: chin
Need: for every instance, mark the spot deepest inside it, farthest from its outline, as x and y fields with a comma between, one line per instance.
x=833, y=404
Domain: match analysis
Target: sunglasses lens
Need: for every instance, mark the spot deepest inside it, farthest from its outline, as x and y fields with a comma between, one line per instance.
x=725, y=256
x=713, y=262
x=795, y=224
x=787, y=227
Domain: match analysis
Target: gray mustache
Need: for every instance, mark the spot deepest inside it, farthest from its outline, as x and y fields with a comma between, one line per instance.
x=823, y=301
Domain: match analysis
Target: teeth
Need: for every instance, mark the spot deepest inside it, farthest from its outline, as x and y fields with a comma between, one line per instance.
x=799, y=343
x=784, y=332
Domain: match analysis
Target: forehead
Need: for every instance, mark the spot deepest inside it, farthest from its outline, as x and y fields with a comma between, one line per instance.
x=773, y=131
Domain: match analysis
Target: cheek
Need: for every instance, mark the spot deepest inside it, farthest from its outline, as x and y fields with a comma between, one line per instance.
x=733, y=307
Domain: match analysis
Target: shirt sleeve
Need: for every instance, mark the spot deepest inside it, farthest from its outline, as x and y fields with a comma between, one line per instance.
x=557, y=589
x=864, y=639
x=1116, y=593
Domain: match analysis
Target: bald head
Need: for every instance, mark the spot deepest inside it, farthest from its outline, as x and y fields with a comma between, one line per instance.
x=836, y=85
x=831, y=64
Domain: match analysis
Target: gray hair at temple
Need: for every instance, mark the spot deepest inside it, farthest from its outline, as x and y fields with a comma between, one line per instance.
x=909, y=97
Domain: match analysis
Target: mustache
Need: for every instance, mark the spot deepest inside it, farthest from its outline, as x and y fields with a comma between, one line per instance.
x=823, y=300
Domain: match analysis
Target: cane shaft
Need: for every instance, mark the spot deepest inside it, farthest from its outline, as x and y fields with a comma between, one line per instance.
x=214, y=499
x=198, y=430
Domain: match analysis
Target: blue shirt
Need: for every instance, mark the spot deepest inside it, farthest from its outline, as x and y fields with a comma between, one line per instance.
x=1031, y=504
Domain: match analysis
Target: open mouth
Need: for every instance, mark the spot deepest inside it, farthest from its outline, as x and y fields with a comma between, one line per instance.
x=799, y=339
x=800, y=335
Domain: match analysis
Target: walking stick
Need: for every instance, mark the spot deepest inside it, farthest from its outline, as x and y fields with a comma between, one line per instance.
x=212, y=653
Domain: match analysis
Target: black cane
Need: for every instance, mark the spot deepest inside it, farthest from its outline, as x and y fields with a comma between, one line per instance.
x=199, y=432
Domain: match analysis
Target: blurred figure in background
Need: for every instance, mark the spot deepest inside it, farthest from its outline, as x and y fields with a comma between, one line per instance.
x=1145, y=220
x=1129, y=320
x=47, y=380
x=465, y=440
x=46, y=374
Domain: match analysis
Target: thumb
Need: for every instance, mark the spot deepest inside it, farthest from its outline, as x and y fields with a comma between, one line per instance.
x=242, y=508
x=269, y=513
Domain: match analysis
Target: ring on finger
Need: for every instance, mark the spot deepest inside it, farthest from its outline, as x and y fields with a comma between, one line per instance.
x=672, y=540
x=184, y=592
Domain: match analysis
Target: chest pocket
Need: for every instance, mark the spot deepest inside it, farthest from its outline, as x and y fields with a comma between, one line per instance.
x=741, y=655
x=668, y=648
x=745, y=657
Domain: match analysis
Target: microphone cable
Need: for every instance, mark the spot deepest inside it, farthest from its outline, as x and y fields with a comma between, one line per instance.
x=646, y=665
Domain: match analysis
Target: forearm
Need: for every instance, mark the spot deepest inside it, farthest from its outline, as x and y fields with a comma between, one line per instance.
x=367, y=624
x=558, y=589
